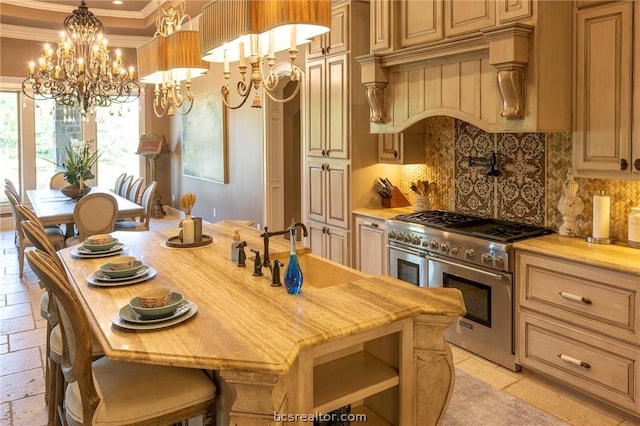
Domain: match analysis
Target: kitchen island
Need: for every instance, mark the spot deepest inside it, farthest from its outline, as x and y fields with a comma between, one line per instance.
x=347, y=338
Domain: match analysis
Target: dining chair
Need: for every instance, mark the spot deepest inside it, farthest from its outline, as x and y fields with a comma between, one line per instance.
x=105, y=391
x=22, y=242
x=147, y=203
x=126, y=184
x=118, y=184
x=57, y=181
x=135, y=190
x=8, y=185
x=94, y=214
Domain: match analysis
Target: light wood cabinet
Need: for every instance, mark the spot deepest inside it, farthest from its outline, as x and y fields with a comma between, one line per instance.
x=604, y=88
x=329, y=242
x=466, y=16
x=338, y=146
x=336, y=40
x=328, y=192
x=579, y=324
x=371, y=246
x=420, y=22
x=401, y=148
x=328, y=107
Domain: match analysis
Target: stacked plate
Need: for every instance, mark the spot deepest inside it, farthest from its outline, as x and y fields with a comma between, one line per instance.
x=107, y=276
x=135, y=317
x=86, y=250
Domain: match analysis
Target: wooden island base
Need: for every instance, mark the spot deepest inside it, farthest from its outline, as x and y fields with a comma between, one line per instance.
x=397, y=374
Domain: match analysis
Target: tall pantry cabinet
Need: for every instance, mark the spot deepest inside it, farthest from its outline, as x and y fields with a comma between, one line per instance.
x=338, y=146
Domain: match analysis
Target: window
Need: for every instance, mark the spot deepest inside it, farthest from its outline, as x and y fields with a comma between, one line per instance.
x=9, y=138
x=55, y=126
x=118, y=131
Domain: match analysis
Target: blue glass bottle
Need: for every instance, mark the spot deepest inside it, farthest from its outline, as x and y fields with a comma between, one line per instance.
x=293, y=274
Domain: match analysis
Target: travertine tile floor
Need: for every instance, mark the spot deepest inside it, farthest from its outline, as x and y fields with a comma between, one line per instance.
x=22, y=352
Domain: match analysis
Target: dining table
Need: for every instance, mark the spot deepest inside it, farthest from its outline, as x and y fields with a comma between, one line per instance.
x=263, y=346
x=54, y=208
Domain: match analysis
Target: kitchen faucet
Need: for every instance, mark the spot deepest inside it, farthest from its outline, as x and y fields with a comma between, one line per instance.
x=267, y=234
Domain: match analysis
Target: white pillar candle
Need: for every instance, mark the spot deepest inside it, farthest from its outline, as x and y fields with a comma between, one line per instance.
x=601, y=215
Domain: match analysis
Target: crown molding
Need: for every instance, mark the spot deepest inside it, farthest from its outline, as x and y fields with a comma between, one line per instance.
x=48, y=36
x=55, y=7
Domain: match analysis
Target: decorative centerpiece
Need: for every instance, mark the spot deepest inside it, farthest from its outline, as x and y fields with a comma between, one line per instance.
x=77, y=168
x=570, y=206
x=187, y=201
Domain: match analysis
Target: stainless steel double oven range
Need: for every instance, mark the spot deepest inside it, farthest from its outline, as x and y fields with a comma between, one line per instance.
x=443, y=249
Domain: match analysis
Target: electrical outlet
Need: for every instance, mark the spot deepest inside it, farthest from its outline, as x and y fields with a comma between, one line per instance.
x=214, y=212
x=173, y=198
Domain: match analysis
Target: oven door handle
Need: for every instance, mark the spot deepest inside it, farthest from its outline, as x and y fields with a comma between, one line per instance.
x=404, y=250
x=459, y=265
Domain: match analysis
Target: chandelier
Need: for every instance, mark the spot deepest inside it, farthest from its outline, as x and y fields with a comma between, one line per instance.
x=80, y=73
x=172, y=56
x=230, y=29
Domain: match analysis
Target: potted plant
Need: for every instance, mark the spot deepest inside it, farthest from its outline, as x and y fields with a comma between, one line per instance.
x=77, y=168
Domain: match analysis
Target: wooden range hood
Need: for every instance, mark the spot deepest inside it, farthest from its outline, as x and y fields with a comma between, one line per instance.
x=514, y=77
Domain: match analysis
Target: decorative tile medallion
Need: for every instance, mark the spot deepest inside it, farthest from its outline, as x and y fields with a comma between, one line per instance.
x=475, y=191
x=520, y=185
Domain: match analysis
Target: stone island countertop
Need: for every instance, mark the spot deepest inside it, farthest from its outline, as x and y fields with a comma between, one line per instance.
x=246, y=326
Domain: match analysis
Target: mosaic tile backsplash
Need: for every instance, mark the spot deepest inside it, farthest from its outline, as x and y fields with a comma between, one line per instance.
x=532, y=166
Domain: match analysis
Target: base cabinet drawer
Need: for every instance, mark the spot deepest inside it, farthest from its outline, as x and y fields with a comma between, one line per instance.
x=590, y=297
x=593, y=364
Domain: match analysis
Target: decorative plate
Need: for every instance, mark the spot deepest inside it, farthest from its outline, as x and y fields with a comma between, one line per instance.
x=99, y=280
x=106, y=269
x=133, y=323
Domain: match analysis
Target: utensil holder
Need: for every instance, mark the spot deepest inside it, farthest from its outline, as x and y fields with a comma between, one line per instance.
x=397, y=199
x=422, y=203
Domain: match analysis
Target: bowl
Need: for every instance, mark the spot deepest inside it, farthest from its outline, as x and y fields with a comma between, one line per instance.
x=174, y=300
x=122, y=262
x=154, y=297
x=99, y=247
x=120, y=273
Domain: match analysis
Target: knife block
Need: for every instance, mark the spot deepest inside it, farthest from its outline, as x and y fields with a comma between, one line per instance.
x=397, y=199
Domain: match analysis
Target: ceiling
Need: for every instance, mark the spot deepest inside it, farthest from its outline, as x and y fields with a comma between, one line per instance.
x=127, y=25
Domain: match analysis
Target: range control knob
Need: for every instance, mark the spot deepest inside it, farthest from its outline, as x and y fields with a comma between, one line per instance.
x=392, y=235
x=407, y=238
x=416, y=240
x=498, y=261
x=425, y=243
x=444, y=247
x=400, y=236
x=454, y=250
x=434, y=245
x=486, y=258
x=469, y=254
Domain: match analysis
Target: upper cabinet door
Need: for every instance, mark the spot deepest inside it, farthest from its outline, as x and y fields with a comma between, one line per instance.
x=465, y=16
x=603, y=88
x=380, y=25
x=337, y=39
x=420, y=22
x=509, y=10
x=316, y=107
x=337, y=98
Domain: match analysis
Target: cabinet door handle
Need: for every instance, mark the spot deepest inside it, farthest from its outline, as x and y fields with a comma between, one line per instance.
x=322, y=167
x=574, y=361
x=327, y=168
x=365, y=223
x=575, y=297
x=636, y=164
x=324, y=153
x=328, y=49
x=322, y=49
x=623, y=164
x=395, y=154
x=328, y=152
